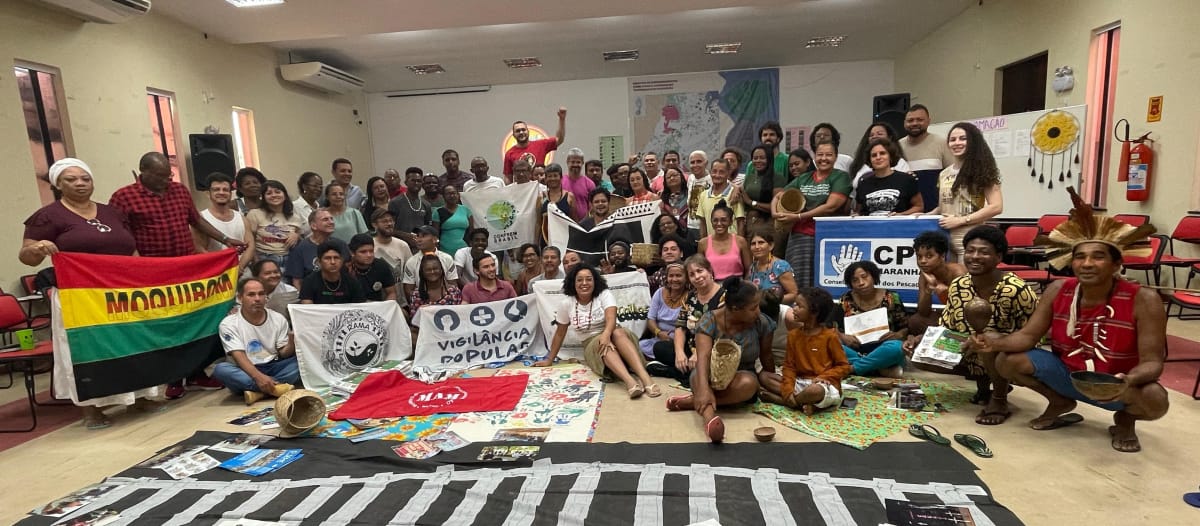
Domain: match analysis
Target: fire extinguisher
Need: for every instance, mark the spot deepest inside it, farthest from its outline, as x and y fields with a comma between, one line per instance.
x=1137, y=164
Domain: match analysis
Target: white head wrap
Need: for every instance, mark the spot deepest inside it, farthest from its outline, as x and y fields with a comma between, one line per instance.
x=64, y=163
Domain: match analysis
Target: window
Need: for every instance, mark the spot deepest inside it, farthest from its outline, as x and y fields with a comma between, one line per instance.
x=45, y=116
x=163, y=124
x=245, y=144
x=1101, y=93
x=1023, y=85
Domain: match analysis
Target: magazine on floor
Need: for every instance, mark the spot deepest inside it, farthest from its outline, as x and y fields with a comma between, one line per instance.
x=508, y=453
x=941, y=347
x=262, y=461
x=65, y=505
x=241, y=443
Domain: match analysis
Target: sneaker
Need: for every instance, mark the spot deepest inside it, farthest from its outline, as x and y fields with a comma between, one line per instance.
x=175, y=390
x=656, y=368
x=203, y=382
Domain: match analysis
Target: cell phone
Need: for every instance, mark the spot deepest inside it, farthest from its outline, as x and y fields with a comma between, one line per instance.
x=849, y=403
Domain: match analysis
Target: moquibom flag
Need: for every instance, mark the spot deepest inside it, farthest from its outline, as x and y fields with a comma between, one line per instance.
x=125, y=323
x=460, y=337
x=335, y=341
x=632, y=294
x=510, y=214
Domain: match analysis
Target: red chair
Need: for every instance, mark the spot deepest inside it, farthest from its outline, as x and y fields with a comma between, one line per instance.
x=1021, y=245
x=1049, y=221
x=42, y=351
x=13, y=318
x=1132, y=219
x=1187, y=231
x=1032, y=276
x=1151, y=263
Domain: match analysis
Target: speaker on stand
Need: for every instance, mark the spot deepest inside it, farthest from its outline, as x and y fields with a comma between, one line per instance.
x=891, y=109
x=211, y=153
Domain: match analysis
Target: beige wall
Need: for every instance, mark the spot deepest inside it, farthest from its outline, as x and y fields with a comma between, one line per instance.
x=106, y=70
x=953, y=72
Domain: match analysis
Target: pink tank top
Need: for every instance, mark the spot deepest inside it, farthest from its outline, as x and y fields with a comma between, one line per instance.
x=724, y=265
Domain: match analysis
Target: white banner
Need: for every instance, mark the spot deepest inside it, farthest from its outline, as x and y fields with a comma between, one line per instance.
x=455, y=338
x=630, y=223
x=334, y=341
x=630, y=289
x=510, y=214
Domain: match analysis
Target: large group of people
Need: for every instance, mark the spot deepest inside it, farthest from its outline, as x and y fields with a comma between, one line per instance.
x=734, y=260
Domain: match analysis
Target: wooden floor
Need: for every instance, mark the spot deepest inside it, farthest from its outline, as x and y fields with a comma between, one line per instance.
x=1067, y=476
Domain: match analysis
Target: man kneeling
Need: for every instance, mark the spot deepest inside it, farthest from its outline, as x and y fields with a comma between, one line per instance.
x=258, y=343
x=1097, y=321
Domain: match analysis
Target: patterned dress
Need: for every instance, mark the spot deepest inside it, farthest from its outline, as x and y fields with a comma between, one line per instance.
x=1013, y=303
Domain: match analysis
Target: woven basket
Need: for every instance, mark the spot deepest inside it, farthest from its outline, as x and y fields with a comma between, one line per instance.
x=792, y=202
x=298, y=411
x=643, y=254
x=616, y=202
x=726, y=355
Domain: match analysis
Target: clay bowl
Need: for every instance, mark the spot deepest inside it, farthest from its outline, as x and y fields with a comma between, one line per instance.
x=1097, y=386
x=764, y=434
x=883, y=384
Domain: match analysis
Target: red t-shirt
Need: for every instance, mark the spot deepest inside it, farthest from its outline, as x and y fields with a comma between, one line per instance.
x=538, y=149
x=1105, y=334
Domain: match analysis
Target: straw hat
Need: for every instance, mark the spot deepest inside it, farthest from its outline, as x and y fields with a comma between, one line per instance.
x=726, y=355
x=298, y=411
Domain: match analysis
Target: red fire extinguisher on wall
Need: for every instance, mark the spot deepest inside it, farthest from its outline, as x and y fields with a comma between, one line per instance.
x=1137, y=164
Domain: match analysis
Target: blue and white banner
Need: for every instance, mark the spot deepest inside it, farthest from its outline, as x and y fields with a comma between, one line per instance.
x=631, y=291
x=455, y=338
x=886, y=241
x=509, y=214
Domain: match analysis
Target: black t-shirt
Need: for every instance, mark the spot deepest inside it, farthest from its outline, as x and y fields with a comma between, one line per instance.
x=345, y=290
x=374, y=279
x=893, y=193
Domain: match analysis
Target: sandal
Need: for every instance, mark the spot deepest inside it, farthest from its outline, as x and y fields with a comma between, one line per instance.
x=715, y=429
x=149, y=406
x=1059, y=421
x=975, y=444
x=653, y=391
x=674, y=401
x=928, y=432
x=636, y=391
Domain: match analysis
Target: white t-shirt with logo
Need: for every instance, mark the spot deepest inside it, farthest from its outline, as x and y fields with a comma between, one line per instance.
x=584, y=321
x=261, y=343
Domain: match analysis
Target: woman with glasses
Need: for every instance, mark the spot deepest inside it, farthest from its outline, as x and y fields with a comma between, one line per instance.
x=75, y=223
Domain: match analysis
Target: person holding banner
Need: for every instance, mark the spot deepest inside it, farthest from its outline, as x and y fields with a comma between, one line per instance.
x=556, y=194
x=739, y=320
x=729, y=254
x=589, y=316
x=968, y=190
x=75, y=223
x=639, y=183
x=599, y=199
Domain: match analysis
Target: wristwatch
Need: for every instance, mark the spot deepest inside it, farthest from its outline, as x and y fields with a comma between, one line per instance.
x=753, y=203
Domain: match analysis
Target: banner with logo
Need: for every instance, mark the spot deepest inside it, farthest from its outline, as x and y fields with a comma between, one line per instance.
x=509, y=214
x=455, y=338
x=632, y=294
x=390, y=394
x=124, y=323
x=335, y=341
x=630, y=223
x=886, y=241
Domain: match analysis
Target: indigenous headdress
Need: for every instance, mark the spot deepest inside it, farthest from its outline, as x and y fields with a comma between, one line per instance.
x=1085, y=226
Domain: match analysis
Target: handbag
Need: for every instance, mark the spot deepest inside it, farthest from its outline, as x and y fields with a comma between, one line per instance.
x=723, y=365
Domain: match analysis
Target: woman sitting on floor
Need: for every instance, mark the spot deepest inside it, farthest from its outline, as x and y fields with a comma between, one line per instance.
x=815, y=364
x=664, y=312
x=741, y=321
x=705, y=294
x=589, y=315
x=885, y=356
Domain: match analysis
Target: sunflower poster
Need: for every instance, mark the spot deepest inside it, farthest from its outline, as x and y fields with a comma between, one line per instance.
x=509, y=214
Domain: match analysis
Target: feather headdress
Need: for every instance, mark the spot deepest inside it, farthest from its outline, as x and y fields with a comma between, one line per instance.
x=1087, y=227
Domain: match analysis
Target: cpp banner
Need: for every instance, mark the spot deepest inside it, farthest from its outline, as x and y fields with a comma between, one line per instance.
x=886, y=241
x=455, y=338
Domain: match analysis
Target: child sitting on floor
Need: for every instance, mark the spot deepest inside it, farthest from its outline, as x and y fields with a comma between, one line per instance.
x=815, y=362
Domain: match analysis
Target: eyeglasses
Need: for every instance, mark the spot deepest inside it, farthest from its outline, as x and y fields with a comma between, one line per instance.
x=99, y=226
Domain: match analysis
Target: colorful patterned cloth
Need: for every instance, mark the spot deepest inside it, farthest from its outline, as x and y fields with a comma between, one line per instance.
x=403, y=429
x=870, y=421
x=565, y=399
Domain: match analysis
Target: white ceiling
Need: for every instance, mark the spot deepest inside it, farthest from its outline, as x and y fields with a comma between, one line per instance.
x=375, y=39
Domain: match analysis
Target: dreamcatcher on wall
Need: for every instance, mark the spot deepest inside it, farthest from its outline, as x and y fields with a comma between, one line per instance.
x=1054, y=140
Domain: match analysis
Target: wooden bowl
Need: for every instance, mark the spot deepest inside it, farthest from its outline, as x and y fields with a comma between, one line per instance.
x=883, y=383
x=764, y=434
x=1097, y=386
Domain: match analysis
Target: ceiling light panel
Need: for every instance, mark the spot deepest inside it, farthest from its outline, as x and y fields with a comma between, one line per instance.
x=253, y=3
x=522, y=63
x=621, y=56
x=726, y=48
x=829, y=41
x=426, y=69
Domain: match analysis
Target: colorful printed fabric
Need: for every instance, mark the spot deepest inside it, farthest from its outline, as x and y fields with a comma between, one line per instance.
x=402, y=429
x=870, y=421
x=565, y=399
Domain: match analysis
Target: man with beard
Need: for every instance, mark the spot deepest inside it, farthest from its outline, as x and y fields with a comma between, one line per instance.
x=538, y=148
x=927, y=153
x=224, y=217
x=488, y=287
x=481, y=179
x=453, y=175
x=771, y=134
x=392, y=250
x=431, y=192
x=577, y=183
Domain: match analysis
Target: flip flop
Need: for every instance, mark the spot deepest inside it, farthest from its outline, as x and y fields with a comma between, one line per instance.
x=97, y=425
x=673, y=402
x=985, y=413
x=715, y=429
x=1192, y=498
x=928, y=432
x=975, y=444
x=636, y=391
x=653, y=391
x=1112, y=432
x=1060, y=421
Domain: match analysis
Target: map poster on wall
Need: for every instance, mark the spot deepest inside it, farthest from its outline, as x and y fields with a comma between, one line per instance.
x=702, y=111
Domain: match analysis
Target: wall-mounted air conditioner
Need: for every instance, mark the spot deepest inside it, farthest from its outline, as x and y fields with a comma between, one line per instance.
x=103, y=11
x=320, y=76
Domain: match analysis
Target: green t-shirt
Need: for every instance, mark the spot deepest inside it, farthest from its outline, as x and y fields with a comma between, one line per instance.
x=753, y=184
x=817, y=193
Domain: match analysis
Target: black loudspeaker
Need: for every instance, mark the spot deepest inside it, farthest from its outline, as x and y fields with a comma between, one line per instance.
x=211, y=153
x=891, y=109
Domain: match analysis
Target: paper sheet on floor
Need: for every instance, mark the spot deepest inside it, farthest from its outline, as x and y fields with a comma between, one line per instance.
x=565, y=399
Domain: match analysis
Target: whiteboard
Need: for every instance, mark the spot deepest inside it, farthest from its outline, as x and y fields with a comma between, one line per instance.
x=1019, y=140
